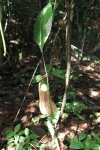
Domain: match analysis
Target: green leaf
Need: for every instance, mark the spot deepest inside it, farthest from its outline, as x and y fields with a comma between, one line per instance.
x=8, y=131
x=82, y=136
x=98, y=139
x=42, y=147
x=95, y=146
x=80, y=75
x=33, y=136
x=28, y=138
x=48, y=67
x=16, y=136
x=91, y=116
x=26, y=145
x=59, y=73
x=36, y=78
x=21, y=132
x=87, y=142
x=68, y=139
x=10, y=145
x=29, y=148
x=10, y=141
x=33, y=120
x=76, y=139
x=16, y=139
x=94, y=135
x=72, y=95
x=22, y=138
x=21, y=149
x=10, y=134
x=43, y=25
x=76, y=144
x=55, y=118
x=80, y=55
x=36, y=105
x=34, y=143
x=16, y=129
x=80, y=116
x=20, y=145
x=26, y=131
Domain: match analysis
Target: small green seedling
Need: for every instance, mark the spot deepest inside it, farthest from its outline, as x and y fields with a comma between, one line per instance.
x=21, y=140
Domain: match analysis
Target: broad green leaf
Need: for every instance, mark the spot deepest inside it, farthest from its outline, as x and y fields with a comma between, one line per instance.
x=29, y=148
x=68, y=139
x=95, y=146
x=76, y=144
x=98, y=139
x=10, y=134
x=8, y=131
x=34, y=143
x=86, y=148
x=59, y=73
x=87, y=142
x=26, y=131
x=43, y=25
x=21, y=132
x=16, y=129
x=76, y=139
x=36, y=78
x=82, y=136
x=80, y=75
x=48, y=67
x=16, y=139
x=28, y=138
x=26, y=145
x=33, y=136
x=80, y=116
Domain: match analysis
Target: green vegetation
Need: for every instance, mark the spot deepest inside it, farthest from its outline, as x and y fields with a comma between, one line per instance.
x=21, y=139
x=40, y=29
x=85, y=142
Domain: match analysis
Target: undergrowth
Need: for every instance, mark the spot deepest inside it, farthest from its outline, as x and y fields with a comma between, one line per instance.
x=85, y=142
x=21, y=139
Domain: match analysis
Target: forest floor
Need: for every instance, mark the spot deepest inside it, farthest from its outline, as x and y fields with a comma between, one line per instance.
x=13, y=85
